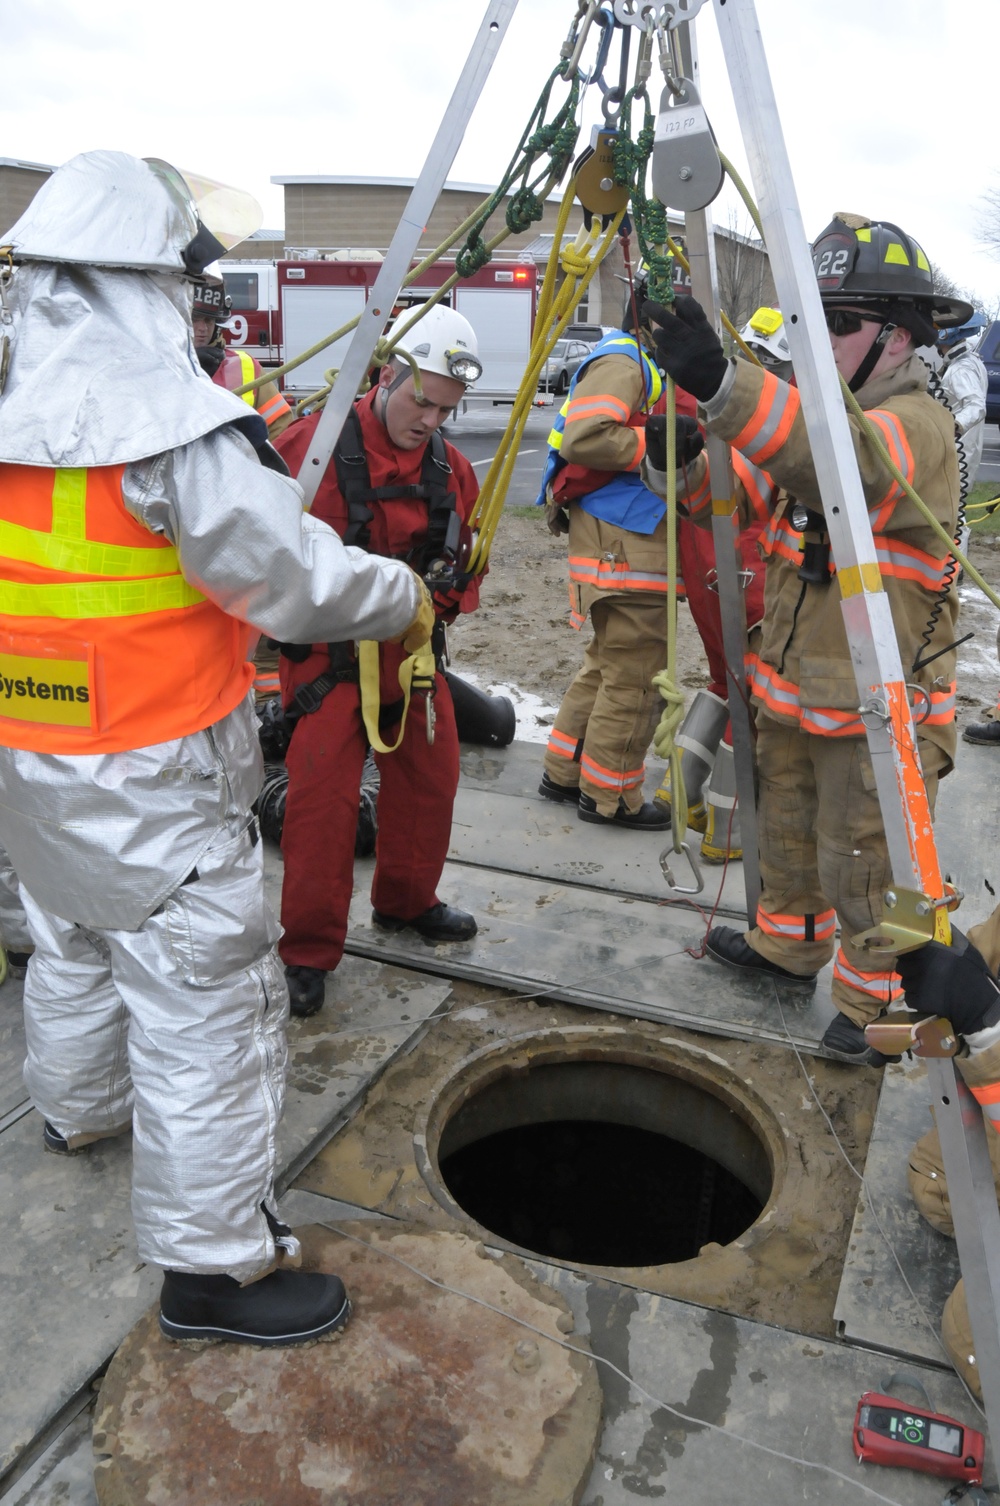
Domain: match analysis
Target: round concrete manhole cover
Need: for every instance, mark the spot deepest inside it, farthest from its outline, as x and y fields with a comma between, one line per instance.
x=428, y=1398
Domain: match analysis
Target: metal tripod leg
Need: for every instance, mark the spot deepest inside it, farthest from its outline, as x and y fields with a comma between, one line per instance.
x=426, y=191
x=700, y=237
x=874, y=650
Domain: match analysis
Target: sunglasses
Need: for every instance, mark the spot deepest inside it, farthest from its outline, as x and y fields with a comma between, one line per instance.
x=849, y=321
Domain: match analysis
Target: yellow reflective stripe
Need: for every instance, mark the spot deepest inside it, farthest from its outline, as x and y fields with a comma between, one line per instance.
x=856, y=579
x=78, y=556
x=130, y=598
x=69, y=503
x=246, y=366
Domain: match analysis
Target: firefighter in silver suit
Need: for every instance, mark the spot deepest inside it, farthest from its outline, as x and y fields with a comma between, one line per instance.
x=142, y=546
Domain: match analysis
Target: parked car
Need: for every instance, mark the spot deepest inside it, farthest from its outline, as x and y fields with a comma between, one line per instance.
x=989, y=352
x=591, y=333
x=561, y=367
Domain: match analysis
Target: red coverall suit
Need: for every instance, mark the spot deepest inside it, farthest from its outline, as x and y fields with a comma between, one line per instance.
x=327, y=752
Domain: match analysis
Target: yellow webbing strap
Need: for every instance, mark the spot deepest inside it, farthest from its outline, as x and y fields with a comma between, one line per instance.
x=419, y=666
x=131, y=598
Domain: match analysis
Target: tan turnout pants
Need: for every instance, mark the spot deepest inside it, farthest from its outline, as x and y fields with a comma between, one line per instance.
x=824, y=858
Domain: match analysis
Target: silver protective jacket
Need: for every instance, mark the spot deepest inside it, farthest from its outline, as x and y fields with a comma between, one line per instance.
x=966, y=383
x=101, y=839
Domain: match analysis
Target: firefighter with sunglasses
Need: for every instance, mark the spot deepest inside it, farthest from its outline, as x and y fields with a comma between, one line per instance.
x=824, y=858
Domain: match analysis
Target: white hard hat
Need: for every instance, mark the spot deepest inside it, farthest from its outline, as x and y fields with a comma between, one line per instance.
x=765, y=335
x=107, y=209
x=440, y=340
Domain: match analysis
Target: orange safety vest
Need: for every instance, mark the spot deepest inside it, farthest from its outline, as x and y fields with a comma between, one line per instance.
x=104, y=646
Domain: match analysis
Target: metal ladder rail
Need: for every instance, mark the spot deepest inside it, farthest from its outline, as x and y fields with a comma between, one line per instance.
x=875, y=651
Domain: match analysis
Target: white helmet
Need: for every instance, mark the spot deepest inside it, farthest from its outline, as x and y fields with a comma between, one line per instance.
x=439, y=340
x=107, y=209
x=765, y=335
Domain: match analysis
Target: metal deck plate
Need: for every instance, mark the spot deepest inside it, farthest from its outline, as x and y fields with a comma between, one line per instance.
x=874, y=1305
x=609, y=951
x=502, y=823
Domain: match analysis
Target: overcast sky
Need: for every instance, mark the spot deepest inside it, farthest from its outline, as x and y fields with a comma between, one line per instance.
x=888, y=106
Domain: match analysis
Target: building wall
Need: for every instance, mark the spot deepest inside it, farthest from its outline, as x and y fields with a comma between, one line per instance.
x=354, y=214
x=18, y=186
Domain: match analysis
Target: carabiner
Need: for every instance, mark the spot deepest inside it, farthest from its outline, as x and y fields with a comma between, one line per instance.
x=668, y=872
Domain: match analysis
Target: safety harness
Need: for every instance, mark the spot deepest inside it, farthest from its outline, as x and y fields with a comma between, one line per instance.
x=444, y=523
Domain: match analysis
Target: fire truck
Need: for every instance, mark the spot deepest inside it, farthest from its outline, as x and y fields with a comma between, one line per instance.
x=282, y=308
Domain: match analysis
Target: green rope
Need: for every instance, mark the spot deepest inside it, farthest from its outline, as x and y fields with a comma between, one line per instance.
x=556, y=140
x=631, y=163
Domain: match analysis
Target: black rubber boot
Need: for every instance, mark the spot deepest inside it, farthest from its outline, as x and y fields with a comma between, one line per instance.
x=845, y=1041
x=648, y=817
x=728, y=945
x=439, y=923
x=284, y=1308
x=985, y=733
x=553, y=791
x=58, y=1145
x=306, y=989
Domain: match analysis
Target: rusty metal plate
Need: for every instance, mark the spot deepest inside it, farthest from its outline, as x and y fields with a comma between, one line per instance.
x=428, y=1398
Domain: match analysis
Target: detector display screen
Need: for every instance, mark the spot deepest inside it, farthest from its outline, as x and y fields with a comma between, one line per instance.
x=919, y=1432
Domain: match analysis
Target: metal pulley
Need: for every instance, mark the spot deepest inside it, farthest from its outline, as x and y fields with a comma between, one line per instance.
x=594, y=171
x=686, y=172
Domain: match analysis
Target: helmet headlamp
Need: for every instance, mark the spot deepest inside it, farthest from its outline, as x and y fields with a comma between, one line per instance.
x=464, y=366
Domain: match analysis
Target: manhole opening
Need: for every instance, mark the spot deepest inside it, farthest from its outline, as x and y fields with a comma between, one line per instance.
x=605, y=1163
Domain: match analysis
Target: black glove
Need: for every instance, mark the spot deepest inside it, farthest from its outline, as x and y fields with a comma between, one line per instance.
x=690, y=441
x=954, y=981
x=687, y=346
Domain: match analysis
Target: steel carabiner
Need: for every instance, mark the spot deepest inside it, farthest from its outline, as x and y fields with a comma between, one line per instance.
x=668, y=872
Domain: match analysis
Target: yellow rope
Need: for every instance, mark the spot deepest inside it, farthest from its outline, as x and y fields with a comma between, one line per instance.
x=555, y=310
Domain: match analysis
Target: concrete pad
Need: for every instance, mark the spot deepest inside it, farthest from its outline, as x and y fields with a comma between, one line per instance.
x=73, y=1284
x=874, y=1304
x=431, y=1396
x=704, y=1387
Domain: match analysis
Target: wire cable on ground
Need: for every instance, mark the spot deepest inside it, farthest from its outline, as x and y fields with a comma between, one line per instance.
x=685, y=1417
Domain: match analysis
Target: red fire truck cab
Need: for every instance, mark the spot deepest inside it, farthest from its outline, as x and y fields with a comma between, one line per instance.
x=309, y=299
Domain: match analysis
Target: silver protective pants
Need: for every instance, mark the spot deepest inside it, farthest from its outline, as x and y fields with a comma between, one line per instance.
x=179, y=1025
x=14, y=933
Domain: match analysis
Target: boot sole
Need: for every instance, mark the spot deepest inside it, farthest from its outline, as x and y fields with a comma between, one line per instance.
x=869, y=1058
x=195, y=1337
x=394, y=926
x=796, y=980
x=596, y=819
x=571, y=795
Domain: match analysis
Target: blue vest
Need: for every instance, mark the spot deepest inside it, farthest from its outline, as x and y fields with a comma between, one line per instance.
x=625, y=500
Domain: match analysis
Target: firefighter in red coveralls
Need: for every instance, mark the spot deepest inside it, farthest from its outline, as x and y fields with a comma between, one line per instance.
x=407, y=493
x=228, y=365
x=617, y=577
x=823, y=847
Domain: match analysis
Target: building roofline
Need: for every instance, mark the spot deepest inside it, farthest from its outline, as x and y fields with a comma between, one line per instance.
x=350, y=181
x=31, y=167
